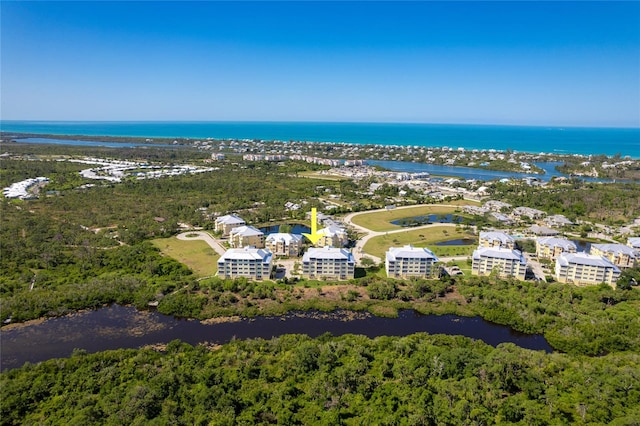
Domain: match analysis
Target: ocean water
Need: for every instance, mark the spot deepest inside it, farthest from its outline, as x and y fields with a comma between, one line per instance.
x=567, y=140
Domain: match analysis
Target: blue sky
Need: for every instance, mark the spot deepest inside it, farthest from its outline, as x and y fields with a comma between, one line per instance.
x=531, y=63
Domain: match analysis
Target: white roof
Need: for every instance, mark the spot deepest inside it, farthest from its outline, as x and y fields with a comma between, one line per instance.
x=246, y=253
x=494, y=235
x=615, y=249
x=557, y=242
x=327, y=253
x=582, y=258
x=634, y=242
x=332, y=230
x=246, y=231
x=230, y=219
x=410, y=252
x=498, y=253
x=286, y=238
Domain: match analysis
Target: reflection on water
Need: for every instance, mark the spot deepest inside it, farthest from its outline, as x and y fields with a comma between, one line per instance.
x=117, y=327
x=427, y=219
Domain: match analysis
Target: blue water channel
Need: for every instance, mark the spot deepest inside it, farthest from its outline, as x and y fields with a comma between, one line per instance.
x=116, y=327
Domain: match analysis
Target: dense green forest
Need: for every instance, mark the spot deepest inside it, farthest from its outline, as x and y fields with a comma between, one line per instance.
x=352, y=380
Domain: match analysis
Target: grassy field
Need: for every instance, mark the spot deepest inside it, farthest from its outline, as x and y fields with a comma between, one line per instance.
x=446, y=251
x=381, y=221
x=377, y=246
x=196, y=254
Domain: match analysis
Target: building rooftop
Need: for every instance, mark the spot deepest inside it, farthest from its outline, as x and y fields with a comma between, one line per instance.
x=246, y=231
x=498, y=253
x=284, y=237
x=230, y=219
x=634, y=242
x=557, y=242
x=615, y=249
x=327, y=253
x=246, y=253
x=410, y=252
x=586, y=259
x=496, y=235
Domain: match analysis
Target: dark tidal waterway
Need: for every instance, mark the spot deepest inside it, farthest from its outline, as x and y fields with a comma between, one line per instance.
x=118, y=327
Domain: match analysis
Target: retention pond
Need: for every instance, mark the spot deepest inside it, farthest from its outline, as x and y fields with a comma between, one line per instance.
x=116, y=327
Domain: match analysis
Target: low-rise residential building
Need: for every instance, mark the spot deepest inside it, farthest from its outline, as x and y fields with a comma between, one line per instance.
x=243, y=236
x=496, y=205
x=506, y=262
x=331, y=263
x=584, y=269
x=529, y=212
x=558, y=220
x=542, y=231
x=282, y=244
x=249, y=262
x=226, y=223
x=551, y=248
x=333, y=236
x=496, y=239
x=634, y=243
x=620, y=255
x=409, y=261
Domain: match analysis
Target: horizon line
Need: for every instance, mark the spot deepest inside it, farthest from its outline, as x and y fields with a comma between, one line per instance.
x=558, y=126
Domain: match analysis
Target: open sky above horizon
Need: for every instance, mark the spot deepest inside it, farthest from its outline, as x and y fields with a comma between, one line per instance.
x=520, y=63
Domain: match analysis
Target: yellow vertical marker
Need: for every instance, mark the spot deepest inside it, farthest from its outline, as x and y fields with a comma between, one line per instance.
x=313, y=236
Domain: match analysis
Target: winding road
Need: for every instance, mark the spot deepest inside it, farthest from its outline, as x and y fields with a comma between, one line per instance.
x=205, y=236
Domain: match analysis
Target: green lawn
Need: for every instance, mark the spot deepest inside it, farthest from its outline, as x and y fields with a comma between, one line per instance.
x=377, y=246
x=381, y=221
x=196, y=254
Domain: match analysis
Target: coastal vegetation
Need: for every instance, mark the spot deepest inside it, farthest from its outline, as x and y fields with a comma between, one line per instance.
x=351, y=380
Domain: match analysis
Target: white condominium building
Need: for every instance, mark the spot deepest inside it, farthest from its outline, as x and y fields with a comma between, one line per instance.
x=243, y=236
x=409, y=261
x=333, y=236
x=551, y=248
x=506, y=262
x=496, y=239
x=249, y=262
x=582, y=268
x=226, y=223
x=328, y=263
x=281, y=244
x=620, y=255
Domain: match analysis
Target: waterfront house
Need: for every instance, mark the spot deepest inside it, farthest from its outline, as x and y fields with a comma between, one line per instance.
x=409, y=261
x=225, y=224
x=248, y=262
x=585, y=269
x=551, y=248
x=329, y=263
x=620, y=255
x=282, y=244
x=496, y=239
x=243, y=236
x=506, y=262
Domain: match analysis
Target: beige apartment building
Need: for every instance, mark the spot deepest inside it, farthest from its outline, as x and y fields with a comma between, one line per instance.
x=551, y=248
x=225, y=224
x=248, y=262
x=244, y=236
x=409, y=261
x=506, y=262
x=282, y=244
x=620, y=255
x=585, y=269
x=496, y=239
x=331, y=263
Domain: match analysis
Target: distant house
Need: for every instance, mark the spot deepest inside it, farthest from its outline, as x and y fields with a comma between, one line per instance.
x=217, y=156
x=620, y=255
x=496, y=206
x=542, y=231
x=226, y=223
x=506, y=262
x=634, y=243
x=282, y=244
x=496, y=239
x=409, y=261
x=328, y=263
x=558, y=220
x=243, y=236
x=529, y=212
x=584, y=269
x=248, y=262
x=551, y=248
